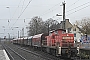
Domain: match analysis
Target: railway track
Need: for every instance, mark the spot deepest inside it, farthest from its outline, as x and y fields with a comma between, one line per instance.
x=13, y=55
x=51, y=57
x=29, y=55
x=40, y=54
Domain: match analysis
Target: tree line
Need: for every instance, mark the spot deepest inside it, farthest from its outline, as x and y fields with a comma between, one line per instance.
x=84, y=25
x=37, y=26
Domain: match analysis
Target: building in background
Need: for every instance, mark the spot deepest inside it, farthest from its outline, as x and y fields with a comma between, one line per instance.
x=72, y=29
x=77, y=33
x=68, y=26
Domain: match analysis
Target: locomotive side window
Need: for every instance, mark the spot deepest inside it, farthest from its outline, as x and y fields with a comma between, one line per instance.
x=56, y=32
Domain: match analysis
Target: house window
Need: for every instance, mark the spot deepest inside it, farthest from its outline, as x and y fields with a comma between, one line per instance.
x=74, y=29
x=69, y=29
x=74, y=34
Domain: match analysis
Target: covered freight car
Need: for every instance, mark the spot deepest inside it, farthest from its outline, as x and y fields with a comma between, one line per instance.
x=38, y=40
x=29, y=43
x=15, y=41
x=25, y=40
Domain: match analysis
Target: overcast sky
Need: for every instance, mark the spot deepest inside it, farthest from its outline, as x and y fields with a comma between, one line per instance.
x=13, y=12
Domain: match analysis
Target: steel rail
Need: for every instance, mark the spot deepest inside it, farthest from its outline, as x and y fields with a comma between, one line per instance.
x=10, y=56
x=34, y=53
x=17, y=53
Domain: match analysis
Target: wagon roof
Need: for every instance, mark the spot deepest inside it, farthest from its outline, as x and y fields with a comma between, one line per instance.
x=30, y=37
x=37, y=36
x=25, y=37
x=14, y=39
x=20, y=38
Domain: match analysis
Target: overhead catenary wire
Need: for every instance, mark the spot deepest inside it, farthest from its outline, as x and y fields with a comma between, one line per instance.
x=14, y=13
x=78, y=10
x=22, y=12
x=16, y=9
x=73, y=4
x=22, y=5
x=55, y=9
x=19, y=16
x=14, y=19
x=46, y=12
x=24, y=9
x=49, y=10
x=78, y=7
x=68, y=7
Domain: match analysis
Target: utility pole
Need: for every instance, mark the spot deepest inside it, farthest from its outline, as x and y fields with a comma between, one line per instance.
x=63, y=23
x=48, y=28
x=9, y=36
x=63, y=15
x=64, y=10
x=36, y=27
x=18, y=34
x=22, y=32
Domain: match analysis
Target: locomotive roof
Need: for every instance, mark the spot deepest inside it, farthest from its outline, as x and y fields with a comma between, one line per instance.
x=57, y=30
x=14, y=39
x=21, y=38
x=25, y=37
x=60, y=29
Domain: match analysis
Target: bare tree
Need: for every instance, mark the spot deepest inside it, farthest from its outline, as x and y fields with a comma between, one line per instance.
x=84, y=24
x=51, y=24
x=35, y=26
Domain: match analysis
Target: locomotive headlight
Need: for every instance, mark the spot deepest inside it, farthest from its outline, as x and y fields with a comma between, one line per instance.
x=78, y=50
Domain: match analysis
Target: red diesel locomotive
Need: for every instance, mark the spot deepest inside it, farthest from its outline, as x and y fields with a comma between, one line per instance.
x=58, y=43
